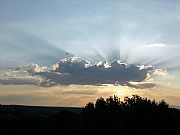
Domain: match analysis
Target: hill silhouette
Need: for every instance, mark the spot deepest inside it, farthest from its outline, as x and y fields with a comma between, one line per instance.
x=135, y=115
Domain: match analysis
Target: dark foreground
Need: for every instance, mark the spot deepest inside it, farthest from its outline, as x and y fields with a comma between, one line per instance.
x=135, y=116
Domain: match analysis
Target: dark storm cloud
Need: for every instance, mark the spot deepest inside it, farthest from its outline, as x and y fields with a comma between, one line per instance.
x=75, y=70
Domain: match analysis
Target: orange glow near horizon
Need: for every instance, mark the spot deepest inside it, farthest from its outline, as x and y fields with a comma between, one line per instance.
x=77, y=95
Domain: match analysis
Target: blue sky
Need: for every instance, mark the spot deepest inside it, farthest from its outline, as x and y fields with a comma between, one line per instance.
x=93, y=29
x=82, y=23
x=144, y=32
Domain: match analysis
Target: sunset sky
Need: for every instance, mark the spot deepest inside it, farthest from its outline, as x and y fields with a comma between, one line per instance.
x=69, y=52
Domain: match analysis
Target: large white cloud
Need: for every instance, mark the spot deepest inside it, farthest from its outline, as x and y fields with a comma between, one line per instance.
x=75, y=70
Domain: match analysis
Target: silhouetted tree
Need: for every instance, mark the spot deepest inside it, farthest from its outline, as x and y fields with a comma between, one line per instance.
x=100, y=104
x=89, y=108
x=162, y=105
x=90, y=105
x=113, y=102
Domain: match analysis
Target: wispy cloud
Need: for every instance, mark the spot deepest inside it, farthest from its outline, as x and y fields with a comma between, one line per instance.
x=156, y=45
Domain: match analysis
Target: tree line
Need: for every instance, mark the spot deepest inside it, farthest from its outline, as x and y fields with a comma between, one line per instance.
x=135, y=115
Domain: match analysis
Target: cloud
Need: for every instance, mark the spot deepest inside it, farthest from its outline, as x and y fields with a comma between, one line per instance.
x=155, y=45
x=24, y=76
x=30, y=68
x=18, y=81
x=81, y=92
x=75, y=70
x=142, y=85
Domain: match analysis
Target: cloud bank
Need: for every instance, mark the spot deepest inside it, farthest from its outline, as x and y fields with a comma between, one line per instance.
x=75, y=70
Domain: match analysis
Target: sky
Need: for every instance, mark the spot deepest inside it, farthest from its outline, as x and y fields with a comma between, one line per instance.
x=65, y=52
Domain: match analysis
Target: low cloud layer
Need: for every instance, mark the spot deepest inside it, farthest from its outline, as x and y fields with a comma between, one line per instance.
x=75, y=70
